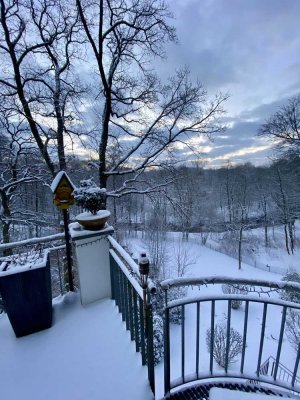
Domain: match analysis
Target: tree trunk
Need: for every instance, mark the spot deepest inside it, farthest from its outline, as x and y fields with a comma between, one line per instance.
x=6, y=221
x=240, y=247
x=286, y=239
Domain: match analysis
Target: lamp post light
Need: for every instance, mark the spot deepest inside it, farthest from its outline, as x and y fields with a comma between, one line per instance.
x=144, y=273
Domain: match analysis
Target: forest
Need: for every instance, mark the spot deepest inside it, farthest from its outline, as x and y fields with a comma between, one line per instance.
x=79, y=92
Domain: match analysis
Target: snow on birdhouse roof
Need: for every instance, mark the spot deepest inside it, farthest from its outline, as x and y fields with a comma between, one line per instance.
x=56, y=181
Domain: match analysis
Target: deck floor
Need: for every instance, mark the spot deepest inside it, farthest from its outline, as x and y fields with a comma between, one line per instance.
x=86, y=354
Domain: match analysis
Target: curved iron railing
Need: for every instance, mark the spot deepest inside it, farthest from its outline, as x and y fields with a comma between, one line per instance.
x=202, y=311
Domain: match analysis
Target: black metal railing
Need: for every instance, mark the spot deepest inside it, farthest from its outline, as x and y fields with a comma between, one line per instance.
x=283, y=372
x=129, y=297
x=57, y=252
x=204, y=312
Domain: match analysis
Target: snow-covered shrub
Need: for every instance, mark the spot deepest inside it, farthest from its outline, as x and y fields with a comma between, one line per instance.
x=158, y=301
x=89, y=196
x=219, y=346
x=158, y=338
x=235, y=289
x=175, y=313
x=292, y=316
x=293, y=328
x=291, y=294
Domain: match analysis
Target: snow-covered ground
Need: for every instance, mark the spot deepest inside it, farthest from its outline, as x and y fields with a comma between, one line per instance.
x=207, y=262
x=87, y=354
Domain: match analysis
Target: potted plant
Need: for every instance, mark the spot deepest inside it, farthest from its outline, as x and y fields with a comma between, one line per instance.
x=25, y=287
x=93, y=199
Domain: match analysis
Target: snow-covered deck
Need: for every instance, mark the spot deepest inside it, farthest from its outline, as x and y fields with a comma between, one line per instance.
x=87, y=354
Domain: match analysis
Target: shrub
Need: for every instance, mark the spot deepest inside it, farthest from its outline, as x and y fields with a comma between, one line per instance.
x=89, y=196
x=235, y=289
x=219, y=346
x=293, y=328
x=175, y=313
x=158, y=338
x=291, y=294
x=293, y=316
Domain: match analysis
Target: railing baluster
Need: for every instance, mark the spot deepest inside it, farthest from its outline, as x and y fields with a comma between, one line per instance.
x=136, y=322
x=142, y=331
x=167, y=363
x=244, y=336
x=150, y=349
x=294, y=379
x=121, y=297
x=126, y=301
x=280, y=342
x=130, y=310
x=262, y=336
x=228, y=335
x=117, y=288
x=182, y=343
x=112, y=280
x=197, y=338
x=212, y=336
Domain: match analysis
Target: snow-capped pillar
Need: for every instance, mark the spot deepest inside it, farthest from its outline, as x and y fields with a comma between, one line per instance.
x=91, y=251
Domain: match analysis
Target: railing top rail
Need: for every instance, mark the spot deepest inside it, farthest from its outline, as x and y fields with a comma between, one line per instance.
x=251, y=298
x=212, y=280
x=27, y=242
x=131, y=263
x=125, y=270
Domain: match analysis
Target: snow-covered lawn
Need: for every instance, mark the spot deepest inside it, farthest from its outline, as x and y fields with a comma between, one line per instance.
x=87, y=354
x=206, y=263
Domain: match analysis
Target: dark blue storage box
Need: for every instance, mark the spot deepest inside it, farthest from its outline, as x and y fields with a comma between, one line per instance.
x=27, y=298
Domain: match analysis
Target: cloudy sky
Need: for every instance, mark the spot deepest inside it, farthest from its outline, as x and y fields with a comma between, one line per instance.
x=247, y=48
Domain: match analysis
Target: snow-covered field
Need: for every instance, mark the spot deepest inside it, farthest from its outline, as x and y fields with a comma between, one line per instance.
x=207, y=262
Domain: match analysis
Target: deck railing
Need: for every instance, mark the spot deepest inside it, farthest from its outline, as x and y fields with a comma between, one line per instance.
x=56, y=245
x=197, y=362
x=283, y=372
x=130, y=299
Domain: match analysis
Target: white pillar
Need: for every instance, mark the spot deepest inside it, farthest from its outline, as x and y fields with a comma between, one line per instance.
x=91, y=250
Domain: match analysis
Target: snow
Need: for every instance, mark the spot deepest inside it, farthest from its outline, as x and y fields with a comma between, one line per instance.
x=23, y=262
x=35, y=240
x=87, y=354
x=57, y=180
x=227, y=394
x=87, y=215
x=78, y=232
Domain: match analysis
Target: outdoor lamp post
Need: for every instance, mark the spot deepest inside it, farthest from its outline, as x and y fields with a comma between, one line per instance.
x=144, y=273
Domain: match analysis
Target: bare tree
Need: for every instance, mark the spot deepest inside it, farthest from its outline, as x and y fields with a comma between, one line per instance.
x=37, y=43
x=14, y=174
x=145, y=118
x=284, y=127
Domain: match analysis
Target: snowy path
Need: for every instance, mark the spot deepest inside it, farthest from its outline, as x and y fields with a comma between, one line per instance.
x=87, y=354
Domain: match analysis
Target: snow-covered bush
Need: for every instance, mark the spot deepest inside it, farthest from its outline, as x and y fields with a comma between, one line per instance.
x=235, y=289
x=175, y=313
x=158, y=338
x=219, y=346
x=291, y=294
x=89, y=196
x=293, y=328
x=293, y=316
